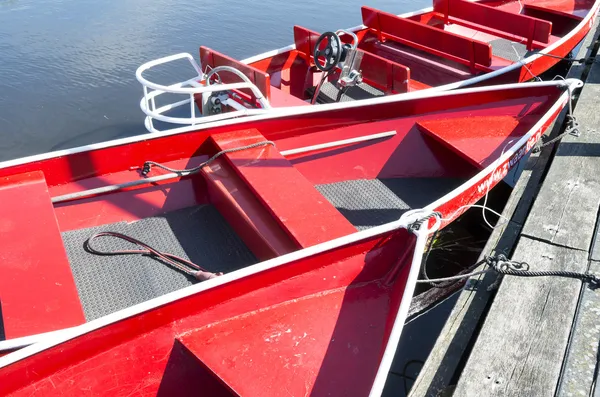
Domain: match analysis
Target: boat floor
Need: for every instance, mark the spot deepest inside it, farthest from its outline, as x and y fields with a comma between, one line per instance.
x=330, y=92
x=110, y=283
x=372, y=202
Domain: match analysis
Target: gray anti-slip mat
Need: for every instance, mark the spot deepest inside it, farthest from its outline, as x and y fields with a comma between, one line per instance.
x=110, y=283
x=330, y=92
x=373, y=202
x=509, y=50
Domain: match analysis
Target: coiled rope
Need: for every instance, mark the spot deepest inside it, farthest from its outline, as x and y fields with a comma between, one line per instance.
x=179, y=263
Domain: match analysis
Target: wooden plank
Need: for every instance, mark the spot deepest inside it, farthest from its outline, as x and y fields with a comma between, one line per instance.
x=580, y=365
x=455, y=339
x=521, y=346
x=461, y=326
x=565, y=212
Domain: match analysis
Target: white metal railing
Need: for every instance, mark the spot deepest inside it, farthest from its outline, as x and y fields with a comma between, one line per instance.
x=199, y=84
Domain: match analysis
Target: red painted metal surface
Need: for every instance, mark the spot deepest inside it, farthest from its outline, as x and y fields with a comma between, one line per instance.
x=128, y=205
x=327, y=302
x=394, y=157
x=37, y=290
x=293, y=201
x=377, y=71
x=250, y=218
x=455, y=206
x=213, y=59
x=419, y=42
x=305, y=41
x=422, y=37
x=279, y=99
x=270, y=200
x=480, y=149
x=485, y=17
x=387, y=75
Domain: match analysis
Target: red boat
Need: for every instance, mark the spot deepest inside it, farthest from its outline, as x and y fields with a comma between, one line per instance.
x=318, y=218
x=454, y=44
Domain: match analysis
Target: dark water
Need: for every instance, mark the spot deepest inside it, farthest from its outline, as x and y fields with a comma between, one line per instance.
x=67, y=66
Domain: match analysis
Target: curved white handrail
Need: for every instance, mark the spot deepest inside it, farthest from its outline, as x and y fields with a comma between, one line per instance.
x=190, y=88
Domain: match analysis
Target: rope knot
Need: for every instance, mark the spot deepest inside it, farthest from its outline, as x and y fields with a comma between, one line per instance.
x=146, y=168
x=416, y=225
x=592, y=280
x=572, y=125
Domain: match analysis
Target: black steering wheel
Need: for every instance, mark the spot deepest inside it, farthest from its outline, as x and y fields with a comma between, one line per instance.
x=332, y=53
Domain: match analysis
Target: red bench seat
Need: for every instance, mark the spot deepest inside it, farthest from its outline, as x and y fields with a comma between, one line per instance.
x=476, y=54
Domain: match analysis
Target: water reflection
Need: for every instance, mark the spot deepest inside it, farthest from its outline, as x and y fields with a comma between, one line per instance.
x=67, y=67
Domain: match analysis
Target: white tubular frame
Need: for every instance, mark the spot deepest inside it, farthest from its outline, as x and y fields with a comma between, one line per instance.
x=189, y=88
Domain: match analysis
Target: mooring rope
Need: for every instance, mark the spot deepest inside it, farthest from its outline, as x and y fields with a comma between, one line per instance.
x=571, y=127
x=501, y=265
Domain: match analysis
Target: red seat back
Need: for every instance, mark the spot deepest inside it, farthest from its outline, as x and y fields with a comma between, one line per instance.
x=386, y=74
x=490, y=17
x=305, y=40
x=259, y=78
x=426, y=38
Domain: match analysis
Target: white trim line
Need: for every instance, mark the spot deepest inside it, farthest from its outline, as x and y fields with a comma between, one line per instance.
x=342, y=142
x=61, y=336
x=52, y=339
x=573, y=83
x=394, y=338
x=17, y=343
x=272, y=53
x=275, y=113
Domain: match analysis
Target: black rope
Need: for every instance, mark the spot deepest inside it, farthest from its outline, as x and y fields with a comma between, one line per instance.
x=181, y=264
x=513, y=268
x=572, y=128
x=586, y=60
x=501, y=265
x=188, y=171
x=405, y=377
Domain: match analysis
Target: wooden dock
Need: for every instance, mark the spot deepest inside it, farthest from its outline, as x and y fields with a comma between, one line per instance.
x=535, y=336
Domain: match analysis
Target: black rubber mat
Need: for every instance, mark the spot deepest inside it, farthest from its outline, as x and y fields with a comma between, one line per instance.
x=110, y=283
x=330, y=92
x=509, y=50
x=373, y=202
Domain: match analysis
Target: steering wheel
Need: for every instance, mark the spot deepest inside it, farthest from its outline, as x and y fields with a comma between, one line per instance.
x=332, y=53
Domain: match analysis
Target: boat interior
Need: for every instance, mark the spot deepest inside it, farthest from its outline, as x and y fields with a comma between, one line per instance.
x=319, y=319
x=243, y=207
x=455, y=41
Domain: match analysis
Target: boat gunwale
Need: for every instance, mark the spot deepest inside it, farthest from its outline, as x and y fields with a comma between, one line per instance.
x=473, y=80
x=275, y=113
x=54, y=338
